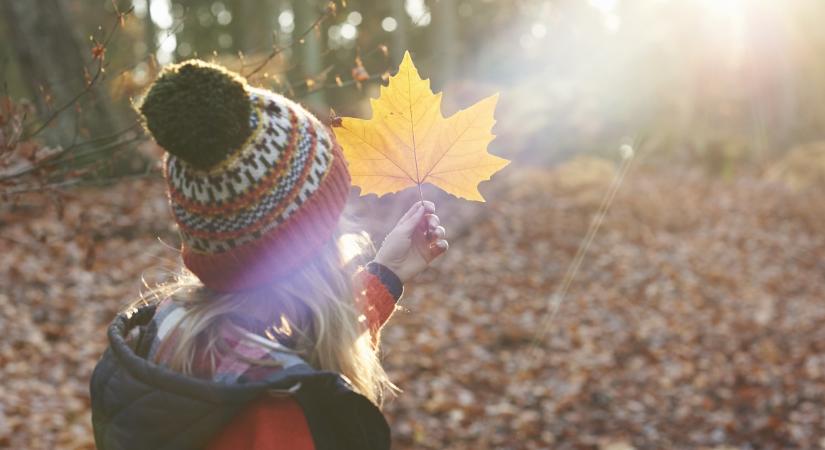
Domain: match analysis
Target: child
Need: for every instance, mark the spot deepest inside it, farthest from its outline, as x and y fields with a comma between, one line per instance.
x=269, y=340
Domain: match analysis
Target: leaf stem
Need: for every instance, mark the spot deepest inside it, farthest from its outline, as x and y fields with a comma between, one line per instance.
x=412, y=135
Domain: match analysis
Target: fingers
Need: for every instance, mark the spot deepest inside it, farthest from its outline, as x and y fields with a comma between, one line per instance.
x=413, y=217
x=438, y=233
x=437, y=236
x=430, y=238
x=433, y=231
x=409, y=224
x=438, y=247
x=414, y=209
x=430, y=222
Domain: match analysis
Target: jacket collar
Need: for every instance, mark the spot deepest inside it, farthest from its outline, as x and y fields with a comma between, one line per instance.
x=139, y=404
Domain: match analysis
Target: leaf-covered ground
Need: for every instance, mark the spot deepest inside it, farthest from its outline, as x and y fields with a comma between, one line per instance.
x=697, y=320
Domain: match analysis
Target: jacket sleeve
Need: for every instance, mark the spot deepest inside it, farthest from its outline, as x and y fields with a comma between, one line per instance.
x=377, y=290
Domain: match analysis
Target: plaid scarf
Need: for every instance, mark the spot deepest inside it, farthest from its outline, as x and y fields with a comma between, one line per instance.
x=377, y=291
x=232, y=366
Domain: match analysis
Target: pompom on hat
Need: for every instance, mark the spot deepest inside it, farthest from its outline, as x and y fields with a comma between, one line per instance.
x=255, y=182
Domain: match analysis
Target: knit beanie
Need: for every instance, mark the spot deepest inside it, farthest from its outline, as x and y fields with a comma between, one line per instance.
x=255, y=182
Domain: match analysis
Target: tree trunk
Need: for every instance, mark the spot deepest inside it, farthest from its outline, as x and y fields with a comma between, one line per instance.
x=150, y=31
x=399, y=36
x=309, y=52
x=445, y=47
x=52, y=58
x=253, y=24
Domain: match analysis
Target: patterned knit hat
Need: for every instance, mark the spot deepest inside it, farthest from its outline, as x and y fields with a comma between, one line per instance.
x=256, y=183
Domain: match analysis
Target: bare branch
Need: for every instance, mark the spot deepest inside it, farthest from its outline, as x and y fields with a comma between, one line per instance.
x=90, y=84
x=329, y=11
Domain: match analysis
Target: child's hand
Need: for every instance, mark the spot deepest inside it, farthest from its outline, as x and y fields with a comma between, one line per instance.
x=416, y=240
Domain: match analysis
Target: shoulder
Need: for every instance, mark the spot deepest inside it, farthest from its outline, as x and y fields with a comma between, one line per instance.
x=340, y=418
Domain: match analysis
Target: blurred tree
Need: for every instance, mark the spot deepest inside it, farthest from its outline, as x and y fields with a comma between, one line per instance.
x=42, y=36
x=446, y=45
x=149, y=29
x=399, y=36
x=310, y=50
x=253, y=24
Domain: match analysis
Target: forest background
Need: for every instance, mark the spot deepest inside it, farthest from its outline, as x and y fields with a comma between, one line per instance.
x=697, y=319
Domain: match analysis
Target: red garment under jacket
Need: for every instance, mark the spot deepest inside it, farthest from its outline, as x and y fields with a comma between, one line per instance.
x=278, y=423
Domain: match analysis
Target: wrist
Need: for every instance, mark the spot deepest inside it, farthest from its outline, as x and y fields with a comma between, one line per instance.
x=388, y=277
x=387, y=263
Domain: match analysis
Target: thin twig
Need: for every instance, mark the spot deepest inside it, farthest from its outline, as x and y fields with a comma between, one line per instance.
x=336, y=85
x=277, y=50
x=62, y=157
x=77, y=182
x=98, y=139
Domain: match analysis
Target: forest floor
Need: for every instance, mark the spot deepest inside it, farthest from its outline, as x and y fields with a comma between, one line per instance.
x=697, y=319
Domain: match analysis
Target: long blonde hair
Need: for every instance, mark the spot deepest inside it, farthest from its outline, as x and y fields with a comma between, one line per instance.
x=313, y=309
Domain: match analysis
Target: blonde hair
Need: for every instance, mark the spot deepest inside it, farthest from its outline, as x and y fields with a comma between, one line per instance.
x=313, y=310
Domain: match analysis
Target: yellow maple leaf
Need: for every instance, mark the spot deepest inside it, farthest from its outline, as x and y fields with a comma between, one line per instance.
x=408, y=142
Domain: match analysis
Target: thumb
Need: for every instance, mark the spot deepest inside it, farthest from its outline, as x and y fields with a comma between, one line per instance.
x=409, y=223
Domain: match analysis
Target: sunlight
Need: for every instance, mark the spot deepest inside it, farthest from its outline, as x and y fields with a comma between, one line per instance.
x=605, y=6
x=284, y=329
x=725, y=9
x=645, y=272
x=418, y=12
x=728, y=19
x=608, y=8
x=350, y=245
x=161, y=14
x=286, y=19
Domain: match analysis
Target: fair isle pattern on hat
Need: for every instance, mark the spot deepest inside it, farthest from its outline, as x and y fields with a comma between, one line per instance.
x=259, y=186
x=268, y=206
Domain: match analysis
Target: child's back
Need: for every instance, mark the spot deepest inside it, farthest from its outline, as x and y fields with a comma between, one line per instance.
x=269, y=340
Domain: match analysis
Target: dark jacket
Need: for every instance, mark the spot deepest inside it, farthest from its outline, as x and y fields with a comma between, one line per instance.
x=137, y=404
